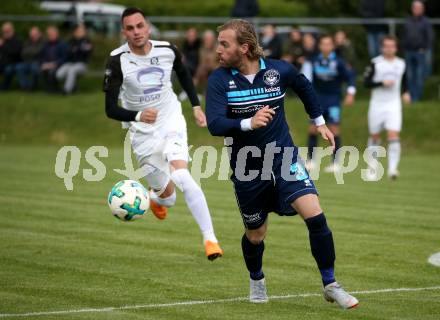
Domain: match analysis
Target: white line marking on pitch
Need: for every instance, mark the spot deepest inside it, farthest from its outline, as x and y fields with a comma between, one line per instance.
x=197, y=302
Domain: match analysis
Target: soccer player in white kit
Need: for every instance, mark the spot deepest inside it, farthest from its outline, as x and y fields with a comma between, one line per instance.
x=139, y=75
x=386, y=77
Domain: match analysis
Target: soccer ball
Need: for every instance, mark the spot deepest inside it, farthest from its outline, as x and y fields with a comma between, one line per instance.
x=128, y=200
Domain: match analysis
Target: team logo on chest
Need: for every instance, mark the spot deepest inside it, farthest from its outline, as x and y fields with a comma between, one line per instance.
x=154, y=61
x=271, y=77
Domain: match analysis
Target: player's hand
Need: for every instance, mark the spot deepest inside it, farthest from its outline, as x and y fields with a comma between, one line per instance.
x=262, y=117
x=406, y=97
x=326, y=134
x=388, y=83
x=200, y=116
x=349, y=100
x=149, y=115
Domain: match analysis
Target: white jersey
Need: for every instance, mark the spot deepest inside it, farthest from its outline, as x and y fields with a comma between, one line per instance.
x=146, y=83
x=382, y=69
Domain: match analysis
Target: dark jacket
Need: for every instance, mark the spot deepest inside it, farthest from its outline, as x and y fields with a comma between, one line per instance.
x=373, y=9
x=32, y=50
x=10, y=51
x=55, y=51
x=273, y=49
x=418, y=34
x=79, y=50
x=245, y=8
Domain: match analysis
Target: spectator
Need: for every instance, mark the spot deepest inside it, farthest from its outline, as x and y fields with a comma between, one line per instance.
x=53, y=55
x=190, y=50
x=10, y=48
x=271, y=43
x=417, y=41
x=343, y=48
x=28, y=71
x=208, y=58
x=294, y=52
x=78, y=56
x=245, y=8
x=309, y=46
x=373, y=9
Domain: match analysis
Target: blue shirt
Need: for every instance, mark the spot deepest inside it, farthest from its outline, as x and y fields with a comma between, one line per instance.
x=231, y=98
x=328, y=75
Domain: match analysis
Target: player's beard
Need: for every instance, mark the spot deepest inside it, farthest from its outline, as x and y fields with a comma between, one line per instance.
x=235, y=62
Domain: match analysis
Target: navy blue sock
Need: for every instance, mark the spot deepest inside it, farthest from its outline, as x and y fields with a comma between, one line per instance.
x=322, y=246
x=337, y=145
x=313, y=143
x=253, y=257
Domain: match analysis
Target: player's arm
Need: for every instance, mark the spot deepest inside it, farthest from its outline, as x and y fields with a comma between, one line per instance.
x=406, y=97
x=187, y=84
x=112, y=83
x=369, y=76
x=216, y=110
x=304, y=89
x=349, y=75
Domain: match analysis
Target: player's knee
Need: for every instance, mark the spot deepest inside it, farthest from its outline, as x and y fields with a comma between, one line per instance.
x=256, y=236
x=184, y=181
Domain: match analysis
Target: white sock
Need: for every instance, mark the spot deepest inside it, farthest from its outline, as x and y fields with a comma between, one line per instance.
x=167, y=202
x=393, y=155
x=373, y=145
x=196, y=202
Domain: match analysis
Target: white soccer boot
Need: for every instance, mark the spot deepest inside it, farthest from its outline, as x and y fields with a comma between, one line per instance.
x=334, y=292
x=258, y=292
x=393, y=175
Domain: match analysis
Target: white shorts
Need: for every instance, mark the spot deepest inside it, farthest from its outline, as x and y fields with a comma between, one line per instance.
x=380, y=118
x=154, y=151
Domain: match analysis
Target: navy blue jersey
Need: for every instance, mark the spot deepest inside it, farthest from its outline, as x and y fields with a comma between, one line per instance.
x=231, y=98
x=328, y=76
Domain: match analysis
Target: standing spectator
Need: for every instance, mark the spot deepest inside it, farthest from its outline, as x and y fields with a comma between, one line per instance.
x=80, y=49
x=190, y=50
x=245, y=8
x=10, y=48
x=271, y=42
x=53, y=55
x=28, y=71
x=417, y=41
x=374, y=9
x=344, y=48
x=208, y=58
x=294, y=52
x=309, y=46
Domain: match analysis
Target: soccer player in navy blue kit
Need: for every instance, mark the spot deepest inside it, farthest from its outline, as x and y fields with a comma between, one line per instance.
x=245, y=103
x=328, y=72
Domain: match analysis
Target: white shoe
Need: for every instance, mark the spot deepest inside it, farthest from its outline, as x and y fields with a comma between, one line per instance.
x=393, y=175
x=310, y=165
x=371, y=175
x=258, y=292
x=334, y=167
x=334, y=292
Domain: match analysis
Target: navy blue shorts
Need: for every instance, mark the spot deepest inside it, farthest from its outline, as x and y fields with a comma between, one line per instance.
x=332, y=114
x=257, y=198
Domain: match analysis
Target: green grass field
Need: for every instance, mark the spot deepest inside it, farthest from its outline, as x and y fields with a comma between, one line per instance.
x=62, y=251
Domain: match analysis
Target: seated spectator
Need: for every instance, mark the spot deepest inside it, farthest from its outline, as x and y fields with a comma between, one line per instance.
x=344, y=48
x=294, y=52
x=78, y=56
x=10, y=49
x=53, y=55
x=208, y=58
x=190, y=50
x=271, y=43
x=309, y=46
x=28, y=71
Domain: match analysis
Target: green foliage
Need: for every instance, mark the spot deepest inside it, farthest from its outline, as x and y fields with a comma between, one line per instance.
x=268, y=8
